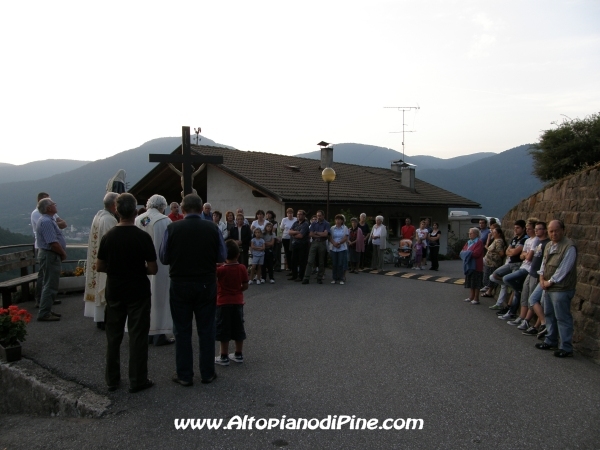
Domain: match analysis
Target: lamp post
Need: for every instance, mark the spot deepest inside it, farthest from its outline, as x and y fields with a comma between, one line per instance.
x=328, y=176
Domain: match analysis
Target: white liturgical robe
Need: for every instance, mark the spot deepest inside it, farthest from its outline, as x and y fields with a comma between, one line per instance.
x=154, y=223
x=95, y=282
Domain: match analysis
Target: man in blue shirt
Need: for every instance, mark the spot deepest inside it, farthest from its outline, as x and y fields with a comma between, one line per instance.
x=319, y=232
x=52, y=250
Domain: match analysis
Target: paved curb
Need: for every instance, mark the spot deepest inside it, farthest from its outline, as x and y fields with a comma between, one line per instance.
x=416, y=276
x=27, y=388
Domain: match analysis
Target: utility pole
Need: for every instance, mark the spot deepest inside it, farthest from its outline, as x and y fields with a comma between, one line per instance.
x=403, y=109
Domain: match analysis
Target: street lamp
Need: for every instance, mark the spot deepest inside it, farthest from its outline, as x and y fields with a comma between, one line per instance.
x=328, y=176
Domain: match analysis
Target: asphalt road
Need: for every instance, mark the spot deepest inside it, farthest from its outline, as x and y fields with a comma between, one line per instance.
x=379, y=347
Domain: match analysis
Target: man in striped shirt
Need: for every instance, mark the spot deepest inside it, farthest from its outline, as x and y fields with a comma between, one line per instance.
x=52, y=245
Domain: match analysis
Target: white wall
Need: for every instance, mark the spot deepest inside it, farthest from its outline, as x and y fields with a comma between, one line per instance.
x=226, y=193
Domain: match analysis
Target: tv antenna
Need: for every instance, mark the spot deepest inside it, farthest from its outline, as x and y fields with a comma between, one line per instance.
x=403, y=109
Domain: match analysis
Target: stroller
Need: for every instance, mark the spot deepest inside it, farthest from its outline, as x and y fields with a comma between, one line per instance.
x=404, y=254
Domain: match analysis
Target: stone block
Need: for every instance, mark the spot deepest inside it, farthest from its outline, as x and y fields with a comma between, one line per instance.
x=586, y=218
x=594, y=295
x=590, y=261
x=591, y=311
x=583, y=291
x=594, y=278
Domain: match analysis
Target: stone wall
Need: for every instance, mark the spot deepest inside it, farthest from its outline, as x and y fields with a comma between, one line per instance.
x=576, y=201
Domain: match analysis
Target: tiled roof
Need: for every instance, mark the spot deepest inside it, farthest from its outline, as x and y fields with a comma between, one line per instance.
x=295, y=179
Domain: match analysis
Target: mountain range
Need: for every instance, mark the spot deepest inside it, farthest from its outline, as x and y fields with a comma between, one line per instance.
x=496, y=181
x=371, y=155
x=37, y=170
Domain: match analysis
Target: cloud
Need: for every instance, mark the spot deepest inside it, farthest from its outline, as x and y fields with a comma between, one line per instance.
x=481, y=45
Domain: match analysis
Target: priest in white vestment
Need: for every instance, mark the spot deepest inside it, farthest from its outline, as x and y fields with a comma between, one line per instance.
x=95, y=282
x=154, y=222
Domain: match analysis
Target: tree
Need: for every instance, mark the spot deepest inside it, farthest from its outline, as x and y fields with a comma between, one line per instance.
x=568, y=148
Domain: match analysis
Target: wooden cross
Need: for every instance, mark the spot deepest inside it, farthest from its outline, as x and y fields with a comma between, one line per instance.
x=186, y=159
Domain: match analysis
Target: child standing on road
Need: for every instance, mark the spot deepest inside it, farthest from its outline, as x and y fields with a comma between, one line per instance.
x=258, y=256
x=232, y=279
x=270, y=241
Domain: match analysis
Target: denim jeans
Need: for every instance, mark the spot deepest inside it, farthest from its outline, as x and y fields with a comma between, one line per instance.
x=516, y=279
x=189, y=299
x=498, y=276
x=50, y=267
x=536, y=296
x=339, y=264
x=559, y=321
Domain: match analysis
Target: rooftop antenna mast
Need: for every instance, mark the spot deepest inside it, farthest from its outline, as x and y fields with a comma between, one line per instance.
x=403, y=109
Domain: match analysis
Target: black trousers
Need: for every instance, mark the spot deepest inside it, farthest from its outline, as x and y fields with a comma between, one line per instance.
x=268, y=265
x=136, y=311
x=433, y=257
x=299, y=259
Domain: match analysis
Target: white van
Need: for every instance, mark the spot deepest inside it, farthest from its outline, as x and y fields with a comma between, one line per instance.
x=459, y=223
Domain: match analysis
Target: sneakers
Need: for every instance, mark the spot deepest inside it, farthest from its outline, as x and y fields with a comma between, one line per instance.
x=517, y=321
x=496, y=307
x=531, y=331
x=467, y=300
x=474, y=302
x=257, y=281
x=543, y=332
x=272, y=281
x=563, y=354
x=502, y=311
x=221, y=361
x=341, y=282
x=262, y=280
x=524, y=325
x=236, y=358
x=507, y=316
x=333, y=282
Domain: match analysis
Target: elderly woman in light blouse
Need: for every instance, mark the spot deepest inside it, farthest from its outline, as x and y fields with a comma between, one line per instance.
x=378, y=238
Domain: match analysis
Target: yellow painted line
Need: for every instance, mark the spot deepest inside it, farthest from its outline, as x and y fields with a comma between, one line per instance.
x=425, y=277
x=408, y=275
x=392, y=273
x=442, y=279
x=459, y=281
x=374, y=271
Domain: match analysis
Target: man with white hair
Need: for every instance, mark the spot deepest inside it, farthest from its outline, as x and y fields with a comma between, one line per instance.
x=95, y=282
x=154, y=222
x=206, y=213
x=35, y=216
x=52, y=246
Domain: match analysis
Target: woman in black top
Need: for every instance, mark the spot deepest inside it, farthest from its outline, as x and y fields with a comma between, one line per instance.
x=434, y=246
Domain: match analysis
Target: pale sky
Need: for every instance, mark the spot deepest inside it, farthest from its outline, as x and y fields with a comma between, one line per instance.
x=86, y=80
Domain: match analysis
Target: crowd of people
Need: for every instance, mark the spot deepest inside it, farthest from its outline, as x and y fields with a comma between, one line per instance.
x=143, y=274
x=538, y=268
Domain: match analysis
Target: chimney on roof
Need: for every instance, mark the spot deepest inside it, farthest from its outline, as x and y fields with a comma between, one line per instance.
x=407, y=173
x=326, y=154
